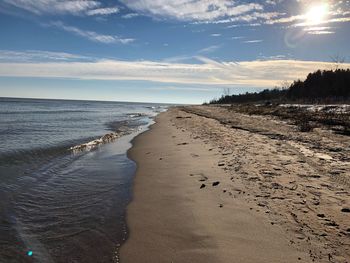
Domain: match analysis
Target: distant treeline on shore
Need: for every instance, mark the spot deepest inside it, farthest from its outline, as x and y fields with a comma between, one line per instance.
x=320, y=86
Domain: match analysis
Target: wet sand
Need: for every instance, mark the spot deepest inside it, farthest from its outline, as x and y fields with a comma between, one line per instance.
x=207, y=192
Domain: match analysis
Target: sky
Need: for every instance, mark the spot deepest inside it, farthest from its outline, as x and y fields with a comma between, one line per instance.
x=171, y=51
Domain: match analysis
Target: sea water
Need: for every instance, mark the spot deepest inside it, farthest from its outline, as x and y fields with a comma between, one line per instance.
x=59, y=205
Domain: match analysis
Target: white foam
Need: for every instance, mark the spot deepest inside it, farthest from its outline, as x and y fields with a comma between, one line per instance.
x=109, y=137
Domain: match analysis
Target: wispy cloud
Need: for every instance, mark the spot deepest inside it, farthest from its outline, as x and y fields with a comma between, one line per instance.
x=62, y=7
x=259, y=73
x=237, y=37
x=209, y=49
x=321, y=32
x=216, y=35
x=40, y=56
x=183, y=89
x=103, y=11
x=91, y=35
x=191, y=10
x=130, y=15
x=253, y=41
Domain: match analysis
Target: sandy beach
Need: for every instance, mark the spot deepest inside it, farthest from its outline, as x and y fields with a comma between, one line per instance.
x=217, y=186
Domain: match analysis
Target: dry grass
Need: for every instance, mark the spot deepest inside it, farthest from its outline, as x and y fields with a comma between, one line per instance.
x=305, y=120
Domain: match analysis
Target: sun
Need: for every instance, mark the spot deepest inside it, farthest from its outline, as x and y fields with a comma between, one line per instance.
x=317, y=14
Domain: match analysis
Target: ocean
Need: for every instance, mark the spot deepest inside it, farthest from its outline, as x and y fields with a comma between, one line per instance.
x=64, y=183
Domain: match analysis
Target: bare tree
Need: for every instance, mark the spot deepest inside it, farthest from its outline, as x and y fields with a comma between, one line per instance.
x=337, y=61
x=285, y=85
x=227, y=92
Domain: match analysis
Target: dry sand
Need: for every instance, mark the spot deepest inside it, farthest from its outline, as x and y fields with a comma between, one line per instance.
x=207, y=192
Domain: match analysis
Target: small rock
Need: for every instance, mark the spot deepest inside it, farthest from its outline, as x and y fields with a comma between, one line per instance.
x=216, y=183
x=202, y=186
x=346, y=210
x=332, y=223
x=321, y=215
x=262, y=203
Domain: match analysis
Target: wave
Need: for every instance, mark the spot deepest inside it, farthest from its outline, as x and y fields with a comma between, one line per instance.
x=109, y=137
x=137, y=115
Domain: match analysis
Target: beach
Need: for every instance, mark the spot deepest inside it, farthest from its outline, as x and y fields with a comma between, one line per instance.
x=217, y=186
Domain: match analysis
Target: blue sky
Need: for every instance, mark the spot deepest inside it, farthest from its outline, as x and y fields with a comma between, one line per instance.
x=181, y=51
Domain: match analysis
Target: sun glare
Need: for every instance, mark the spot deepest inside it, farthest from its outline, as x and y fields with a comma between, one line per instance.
x=317, y=14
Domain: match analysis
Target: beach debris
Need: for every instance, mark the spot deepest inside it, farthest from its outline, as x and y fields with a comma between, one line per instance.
x=345, y=210
x=183, y=117
x=183, y=143
x=216, y=183
x=202, y=186
x=203, y=178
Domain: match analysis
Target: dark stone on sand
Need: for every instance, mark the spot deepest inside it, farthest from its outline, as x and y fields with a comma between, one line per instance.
x=202, y=186
x=184, y=143
x=321, y=215
x=262, y=203
x=332, y=223
x=216, y=183
x=276, y=186
x=181, y=117
x=346, y=210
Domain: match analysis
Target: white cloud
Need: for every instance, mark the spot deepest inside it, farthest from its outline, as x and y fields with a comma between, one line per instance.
x=39, y=56
x=325, y=30
x=191, y=10
x=253, y=41
x=103, y=11
x=130, y=15
x=93, y=36
x=321, y=32
x=40, y=7
x=209, y=49
x=215, y=35
x=237, y=37
x=62, y=7
x=259, y=73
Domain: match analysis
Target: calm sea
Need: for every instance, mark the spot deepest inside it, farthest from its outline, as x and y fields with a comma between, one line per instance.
x=62, y=206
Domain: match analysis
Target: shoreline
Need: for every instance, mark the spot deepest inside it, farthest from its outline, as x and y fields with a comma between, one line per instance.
x=185, y=208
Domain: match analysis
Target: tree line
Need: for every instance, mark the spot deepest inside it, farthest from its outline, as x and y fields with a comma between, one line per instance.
x=319, y=86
